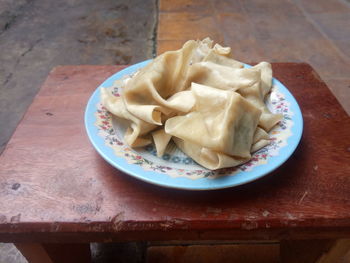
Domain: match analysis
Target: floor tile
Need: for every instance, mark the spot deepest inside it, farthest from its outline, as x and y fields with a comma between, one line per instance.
x=336, y=26
x=184, y=6
x=185, y=26
x=239, y=34
x=323, y=6
x=166, y=45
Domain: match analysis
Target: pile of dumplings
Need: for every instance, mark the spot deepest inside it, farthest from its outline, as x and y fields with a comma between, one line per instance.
x=198, y=96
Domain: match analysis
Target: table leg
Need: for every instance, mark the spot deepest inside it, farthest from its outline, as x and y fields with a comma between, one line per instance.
x=340, y=252
x=55, y=253
x=303, y=251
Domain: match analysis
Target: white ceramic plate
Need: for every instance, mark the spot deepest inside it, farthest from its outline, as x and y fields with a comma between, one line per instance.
x=175, y=169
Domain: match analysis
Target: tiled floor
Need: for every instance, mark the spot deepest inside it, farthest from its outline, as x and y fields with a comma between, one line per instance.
x=317, y=32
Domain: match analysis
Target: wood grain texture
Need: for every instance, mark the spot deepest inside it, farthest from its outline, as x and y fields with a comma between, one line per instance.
x=55, y=187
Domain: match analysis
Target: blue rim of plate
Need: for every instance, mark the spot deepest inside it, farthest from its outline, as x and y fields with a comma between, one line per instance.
x=182, y=182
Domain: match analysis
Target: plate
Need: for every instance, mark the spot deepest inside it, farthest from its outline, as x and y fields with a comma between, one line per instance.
x=175, y=169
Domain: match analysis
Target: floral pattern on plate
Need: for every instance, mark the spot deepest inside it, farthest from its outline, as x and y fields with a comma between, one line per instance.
x=175, y=163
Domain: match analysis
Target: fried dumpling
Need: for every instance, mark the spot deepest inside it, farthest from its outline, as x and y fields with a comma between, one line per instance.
x=201, y=98
x=161, y=140
x=256, y=94
x=217, y=57
x=222, y=120
x=158, y=82
x=261, y=139
x=221, y=77
x=206, y=157
x=137, y=128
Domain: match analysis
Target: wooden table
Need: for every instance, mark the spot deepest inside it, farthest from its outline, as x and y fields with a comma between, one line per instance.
x=55, y=188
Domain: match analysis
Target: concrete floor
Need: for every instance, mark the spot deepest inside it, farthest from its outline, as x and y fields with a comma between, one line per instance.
x=37, y=35
x=10, y=254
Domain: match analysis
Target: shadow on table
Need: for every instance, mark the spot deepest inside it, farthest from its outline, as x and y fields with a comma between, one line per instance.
x=276, y=184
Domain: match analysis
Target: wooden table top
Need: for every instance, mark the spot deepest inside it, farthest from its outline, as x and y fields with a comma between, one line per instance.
x=55, y=187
